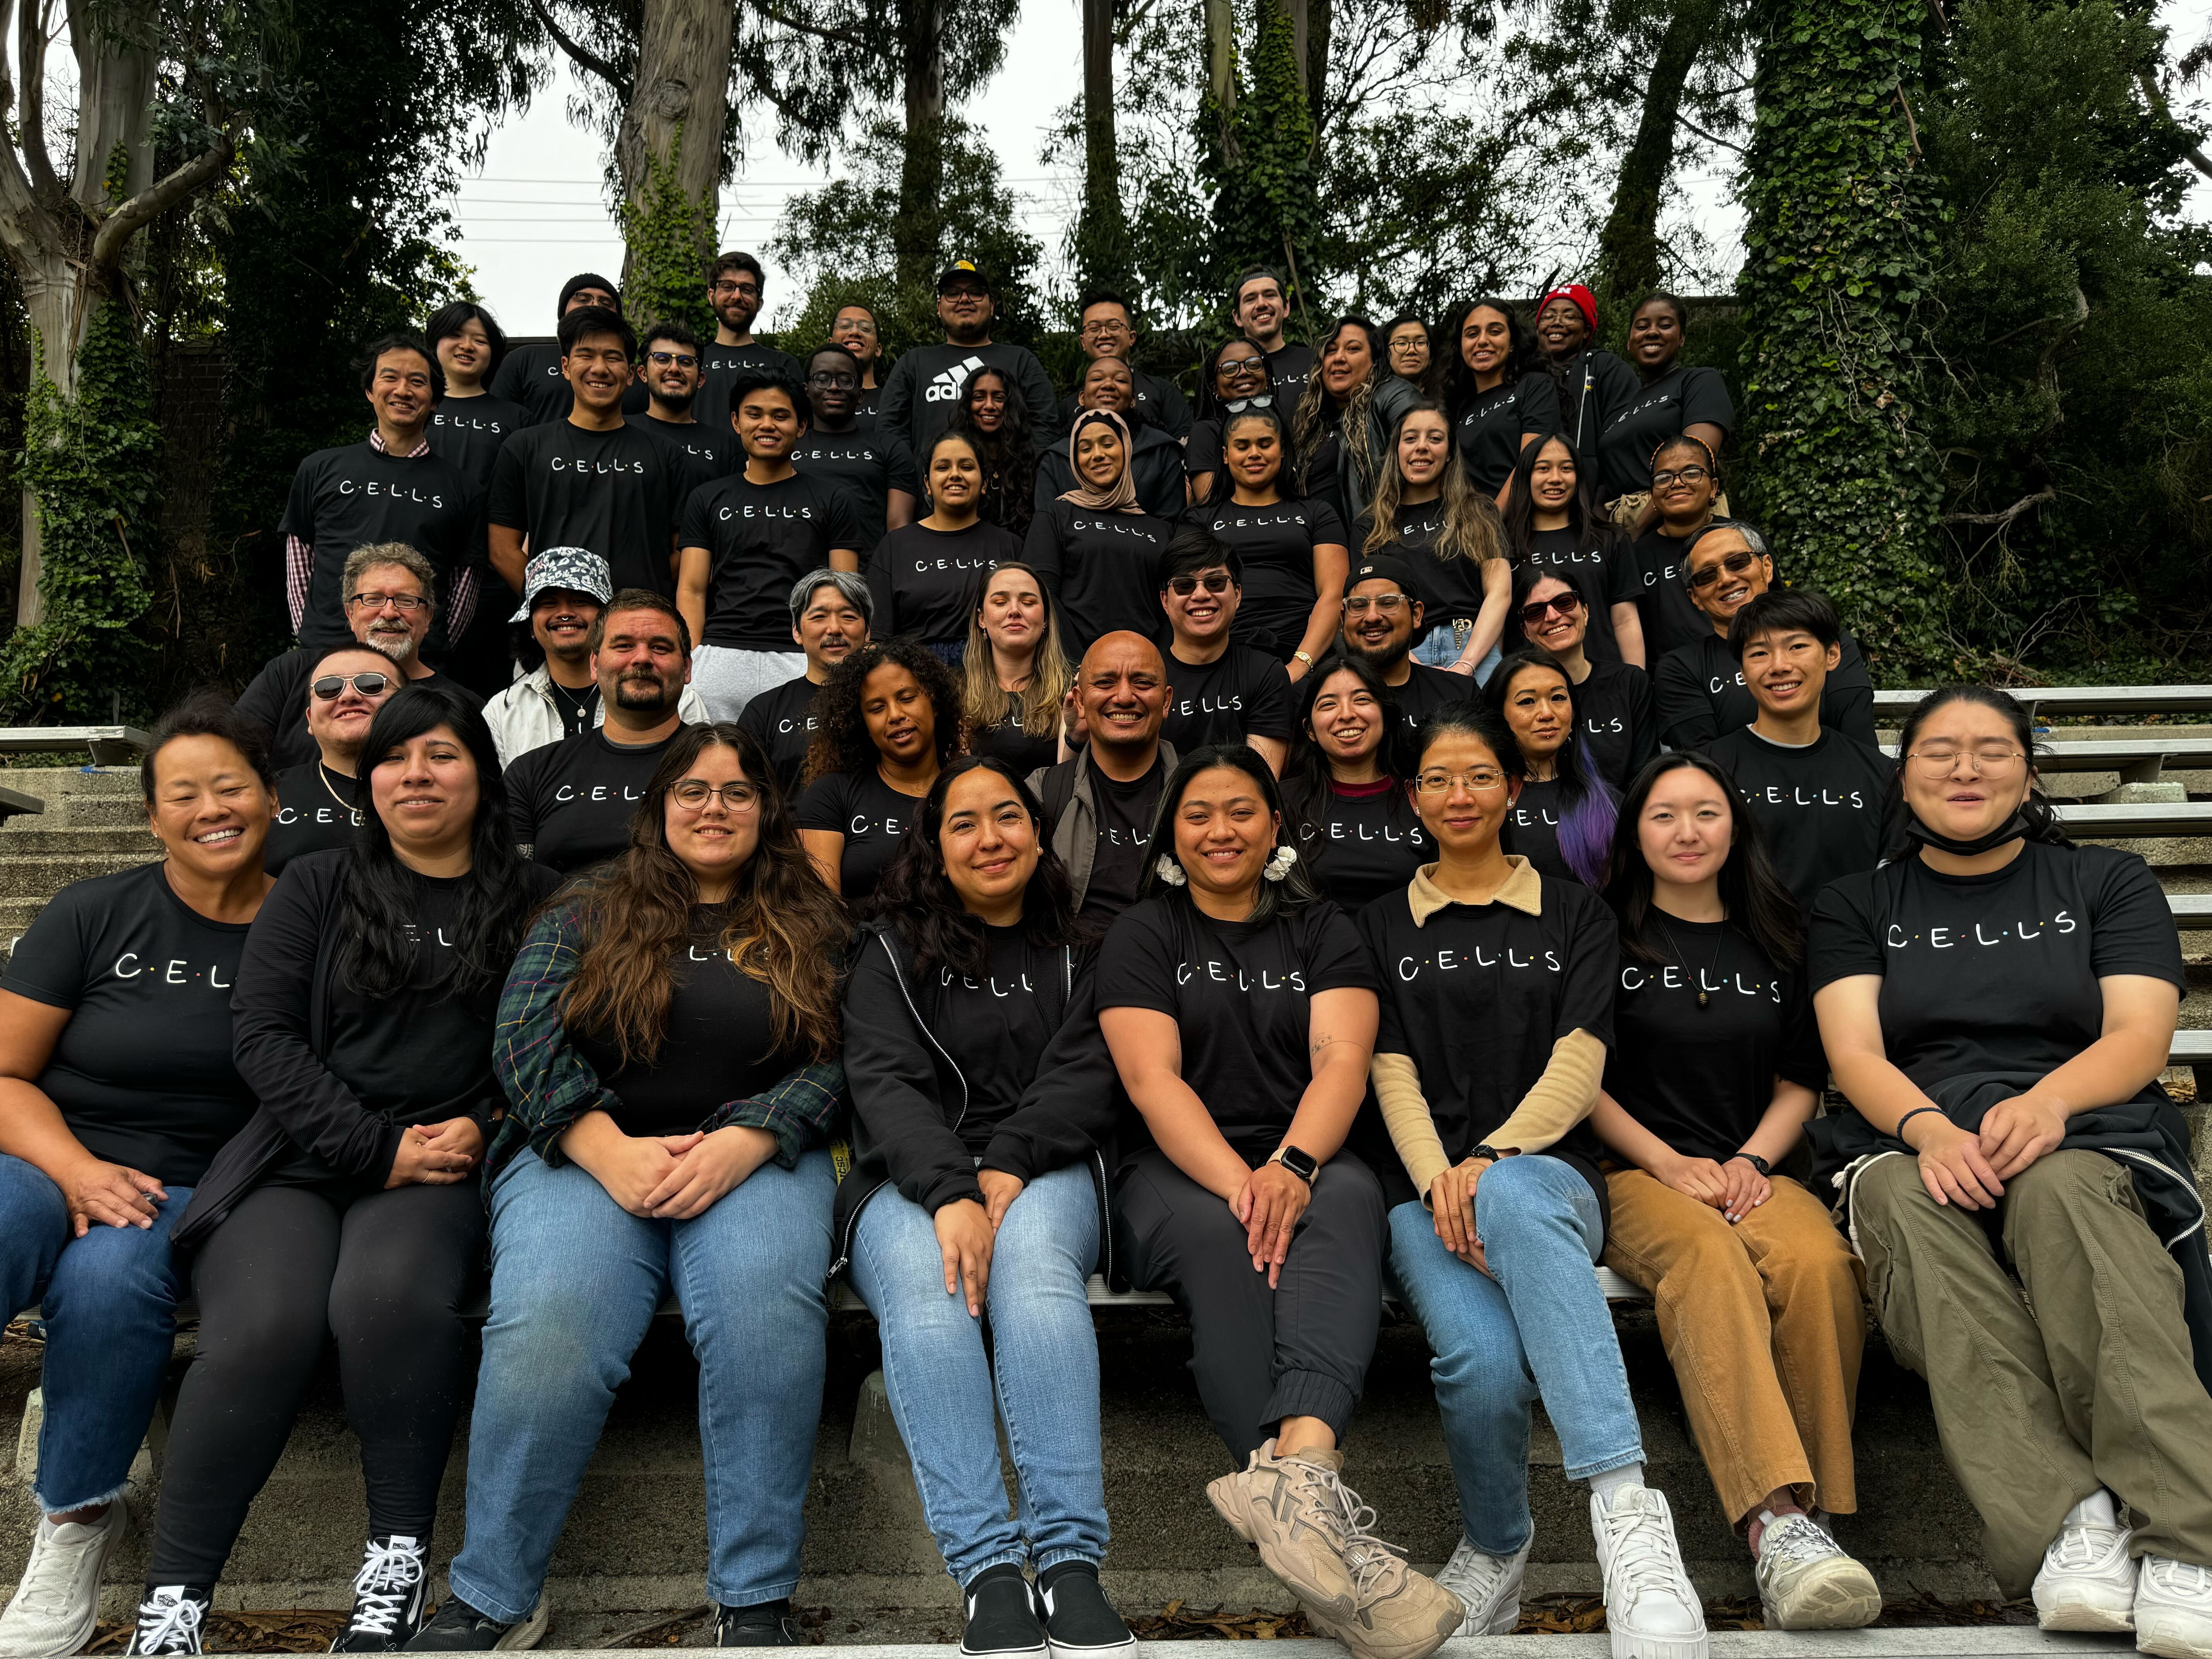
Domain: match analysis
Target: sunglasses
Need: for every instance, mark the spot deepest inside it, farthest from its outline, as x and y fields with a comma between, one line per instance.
x=1565, y=604
x=1238, y=405
x=1182, y=587
x=1735, y=564
x=368, y=683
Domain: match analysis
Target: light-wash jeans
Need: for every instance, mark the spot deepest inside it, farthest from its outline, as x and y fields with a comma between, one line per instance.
x=1043, y=1364
x=575, y=1282
x=1535, y=1327
x=110, y=1302
x=726, y=679
x=1441, y=646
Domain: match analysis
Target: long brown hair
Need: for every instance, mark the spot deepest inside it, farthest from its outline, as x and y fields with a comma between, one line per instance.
x=1473, y=530
x=785, y=928
x=983, y=704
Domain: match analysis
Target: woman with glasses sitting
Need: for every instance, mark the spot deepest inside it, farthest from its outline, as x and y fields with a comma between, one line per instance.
x=1234, y=378
x=1615, y=718
x=1997, y=1004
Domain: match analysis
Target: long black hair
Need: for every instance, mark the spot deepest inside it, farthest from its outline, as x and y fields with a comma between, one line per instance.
x=842, y=742
x=2037, y=816
x=1288, y=477
x=377, y=897
x=917, y=899
x=1295, y=890
x=1752, y=897
x=1592, y=530
x=1521, y=351
x=1008, y=456
x=1589, y=813
x=1306, y=776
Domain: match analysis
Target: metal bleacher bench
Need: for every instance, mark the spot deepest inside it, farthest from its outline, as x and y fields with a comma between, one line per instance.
x=2049, y=700
x=109, y=745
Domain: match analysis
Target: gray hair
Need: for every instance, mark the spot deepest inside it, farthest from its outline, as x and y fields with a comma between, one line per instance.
x=365, y=559
x=850, y=583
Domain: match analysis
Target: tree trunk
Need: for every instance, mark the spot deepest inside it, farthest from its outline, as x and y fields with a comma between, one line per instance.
x=59, y=307
x=915, y=237
x=1221, y=71
x=669, y=152
x=1102, y=232
x=1313, y=51
x=1628, y=246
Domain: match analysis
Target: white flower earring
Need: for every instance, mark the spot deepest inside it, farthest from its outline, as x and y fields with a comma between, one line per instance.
x=1169, y=870
x=1279, y=863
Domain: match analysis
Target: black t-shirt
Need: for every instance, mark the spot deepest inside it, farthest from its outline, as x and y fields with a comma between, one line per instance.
x=1201, y=450
x=1476, y=998
x=357, y=495
x=783, y=719
x=142, y=1073
x=923, y=389
x=1532, y=830
x=1612, y=385
x=1654, y=413
x=870, y=814
x=1617, y=720
x=1701, y=1077
x=996, y=1029
x=1449, y=587
x=1289, y=367
x=571, y=802
x=531, y=375
x=760, y=540
x=1820, y=804
x=1604, y=575
x=1670, y=620
x=867, y=463
x=925, y=581
x=704, y=453
x=1700, y=693
x=1240, y=998
x=275, y=703
x=718, y=368
x=1102, y=568
x=1025, y=751
x=469, y=432
x=1276, y=544
x=1241, y=694
x=1427, y=690
x=1361, y=844
x=1494, y=424
x=720, y=1044
x=316, y=809
x=1123, y=832
x=615, y=493
x=1995, y=974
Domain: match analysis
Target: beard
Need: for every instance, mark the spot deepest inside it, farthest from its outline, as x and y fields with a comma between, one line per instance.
x=398, y=644
x=644, y=692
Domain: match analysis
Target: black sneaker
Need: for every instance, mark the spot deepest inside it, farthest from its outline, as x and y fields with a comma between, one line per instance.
x=1002, y=1615
x=457, y=1627
x=764, y=1624
x=1078, y=1620
x=173, y=1618
x=387, y=1597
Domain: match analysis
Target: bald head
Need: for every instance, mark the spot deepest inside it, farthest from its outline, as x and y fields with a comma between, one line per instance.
x=1122, y=691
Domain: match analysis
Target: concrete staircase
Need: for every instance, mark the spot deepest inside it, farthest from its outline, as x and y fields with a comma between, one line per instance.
x=637, y=1538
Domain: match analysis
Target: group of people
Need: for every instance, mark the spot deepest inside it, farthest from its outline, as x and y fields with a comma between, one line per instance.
x=1176, y=887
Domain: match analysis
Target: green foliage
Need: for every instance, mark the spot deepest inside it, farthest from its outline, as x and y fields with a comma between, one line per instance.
x=1839, y=243
x=91, y=458
x=665, y=232
x=1266, y=209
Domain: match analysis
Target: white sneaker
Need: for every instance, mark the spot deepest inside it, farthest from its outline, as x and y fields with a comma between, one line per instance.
x=171, y=1619
x=2173, y=1610
x=57, y=1601
x=1806, y=1581
x=2087, y=1582
x=1490, y=1585
x=1652, y=1609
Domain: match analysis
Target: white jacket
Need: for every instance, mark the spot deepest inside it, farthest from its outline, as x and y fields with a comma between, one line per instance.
x=524, y=716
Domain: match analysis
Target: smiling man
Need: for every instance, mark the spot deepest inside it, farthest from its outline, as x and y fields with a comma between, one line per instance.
x=388, y=487
x=318, y=800
x=1818, y=793
x=1699, y=689
x=874, y=467
x=1383, y=615
x=672, y=372
x=923, y=388
x=530, y=375
x=1102, y=802
x=1222, y=692
x=830, y=611
x=1258, y=310
x=736, y=286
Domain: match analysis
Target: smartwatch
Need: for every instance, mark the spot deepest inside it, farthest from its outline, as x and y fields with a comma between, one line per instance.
x=1487, y=1151
x=1304, y=1165
x=1757, y=1163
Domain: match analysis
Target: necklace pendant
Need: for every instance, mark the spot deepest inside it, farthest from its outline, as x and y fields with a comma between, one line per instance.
x=1705, y=1000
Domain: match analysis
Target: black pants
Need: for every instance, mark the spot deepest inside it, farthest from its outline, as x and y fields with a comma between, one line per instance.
x=385, y=1272
x=1261, y=1355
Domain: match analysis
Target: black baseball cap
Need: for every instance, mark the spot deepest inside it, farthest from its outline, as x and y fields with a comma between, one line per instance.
x=1384, y=568
x=959, y=268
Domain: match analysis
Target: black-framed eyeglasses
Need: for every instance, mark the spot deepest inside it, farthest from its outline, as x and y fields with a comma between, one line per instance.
x=1565, y=604
x=402, y=603
x=734, y=288
x=681, y=359
x=1240, y=367
x=836, y=380
x=1735, y=564
x=1213, y=581
x=1689, y=475
x=368, y=683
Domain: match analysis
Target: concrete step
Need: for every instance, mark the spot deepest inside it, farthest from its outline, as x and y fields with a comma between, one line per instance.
x=1902, y=1640
x=41, y=875
x=38, y=837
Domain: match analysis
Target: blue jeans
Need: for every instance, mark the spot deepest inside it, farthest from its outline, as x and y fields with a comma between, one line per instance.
x=110, y=1301
x=575, y=1282
x=940, y=1381
x=1439, y=648
x=1536, y=1327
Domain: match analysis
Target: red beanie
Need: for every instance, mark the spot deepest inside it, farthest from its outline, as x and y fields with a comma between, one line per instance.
x=1585, y=302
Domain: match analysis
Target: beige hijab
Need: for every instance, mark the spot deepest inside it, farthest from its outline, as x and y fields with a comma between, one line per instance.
x=1123, y=497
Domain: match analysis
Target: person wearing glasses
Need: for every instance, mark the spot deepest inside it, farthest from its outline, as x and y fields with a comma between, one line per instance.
x=843, y=446
x=1615, y=718
x=1426, y=512
x=1383, y=611
x=1108, y=330
x=1501, y=397
x=388, y=606
x=736, y=287
x=1219, y=691
x=855, y=327
x=1818, y=794
x=1699, y=689
x=1234, y=378
x=671, y=371
x=1686, y=490
x=319, y=801
x=1998, y=1004
x=390, y=487
x=1410, y=355
x=667, y=1043
x=1497, y=1018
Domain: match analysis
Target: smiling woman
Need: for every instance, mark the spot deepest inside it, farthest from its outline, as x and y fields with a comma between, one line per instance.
x=889, y=718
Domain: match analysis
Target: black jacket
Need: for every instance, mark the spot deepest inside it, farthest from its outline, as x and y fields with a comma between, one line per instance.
x=909, y=1094
x=1157, y=466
